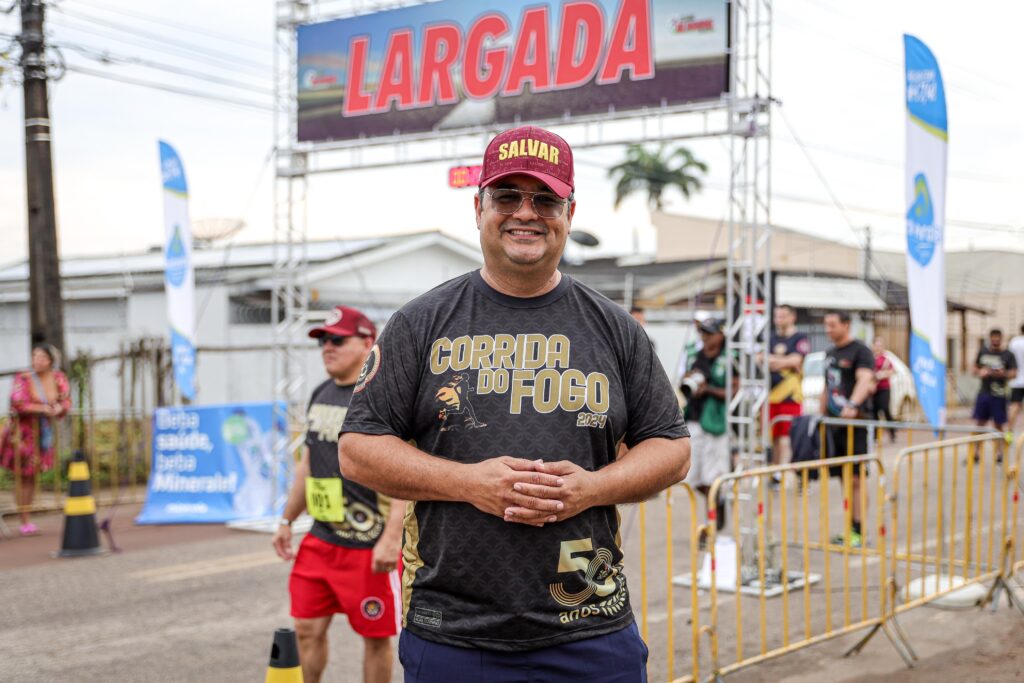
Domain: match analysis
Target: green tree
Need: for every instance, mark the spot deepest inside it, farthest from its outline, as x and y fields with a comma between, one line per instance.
x=655, y=172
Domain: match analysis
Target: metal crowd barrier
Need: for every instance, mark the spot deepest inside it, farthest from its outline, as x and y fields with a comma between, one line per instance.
x=952, y=511
x=1017, y=565
x=802, y=563
x=876, y=427
x=660, y=630
x=960, y=534
x=117, y=445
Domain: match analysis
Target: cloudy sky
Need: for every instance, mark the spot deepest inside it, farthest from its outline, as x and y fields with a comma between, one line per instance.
x=198, y=74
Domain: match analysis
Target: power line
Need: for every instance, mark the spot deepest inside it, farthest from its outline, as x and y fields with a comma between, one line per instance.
x=802, y=199
x=110, y=58
x=156, y=36
x=156, y=46
x=892, y=163
x=74, y=68
x=965, y=224
x=835, y=199
x=161, y=21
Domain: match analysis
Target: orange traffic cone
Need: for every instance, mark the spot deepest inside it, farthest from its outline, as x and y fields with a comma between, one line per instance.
x=284, y=658
x=81, y=537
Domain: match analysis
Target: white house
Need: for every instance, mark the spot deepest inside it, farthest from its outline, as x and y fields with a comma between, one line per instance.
x=110, y=301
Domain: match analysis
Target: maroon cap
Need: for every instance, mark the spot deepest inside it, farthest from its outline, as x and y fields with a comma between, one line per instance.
x=345, y=321
x=530, y=151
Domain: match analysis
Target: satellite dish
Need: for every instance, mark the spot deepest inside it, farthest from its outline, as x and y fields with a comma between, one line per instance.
x=213, y=229
x=584, y=238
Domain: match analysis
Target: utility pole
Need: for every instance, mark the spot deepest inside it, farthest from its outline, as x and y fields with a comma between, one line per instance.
x=865, y=265
x=46, y=306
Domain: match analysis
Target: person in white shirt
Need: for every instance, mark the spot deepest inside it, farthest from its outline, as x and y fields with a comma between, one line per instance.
x=1016, y=347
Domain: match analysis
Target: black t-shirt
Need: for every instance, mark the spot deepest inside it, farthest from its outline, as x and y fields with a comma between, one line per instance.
x=791, y=391
x=995, y=360
x=366, y=511
x=841, y=365
x=469, y=373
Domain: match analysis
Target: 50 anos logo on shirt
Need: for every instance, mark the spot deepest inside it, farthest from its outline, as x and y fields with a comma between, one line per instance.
x=600, y=578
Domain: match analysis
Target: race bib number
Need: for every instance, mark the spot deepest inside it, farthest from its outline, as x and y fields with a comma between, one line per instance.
x=323, y=499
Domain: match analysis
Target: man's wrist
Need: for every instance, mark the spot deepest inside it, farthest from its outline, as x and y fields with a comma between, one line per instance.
x=284, y=521
x=595, y=494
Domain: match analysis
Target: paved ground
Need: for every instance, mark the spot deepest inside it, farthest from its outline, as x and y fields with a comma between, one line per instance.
x=199, y=603
x=195, y=603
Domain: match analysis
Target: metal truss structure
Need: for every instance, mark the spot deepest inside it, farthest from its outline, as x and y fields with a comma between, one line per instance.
x=749, y=287
x=289, y=298
x=744, y=116
x=749, y=278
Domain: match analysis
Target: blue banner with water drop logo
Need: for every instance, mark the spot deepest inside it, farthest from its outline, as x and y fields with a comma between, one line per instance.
x=179, y=278
x=927, y=142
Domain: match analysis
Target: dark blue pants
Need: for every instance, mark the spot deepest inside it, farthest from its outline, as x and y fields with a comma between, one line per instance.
x=619, y=657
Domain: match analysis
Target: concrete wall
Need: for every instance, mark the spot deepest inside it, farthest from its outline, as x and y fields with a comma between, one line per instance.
x=685, y=238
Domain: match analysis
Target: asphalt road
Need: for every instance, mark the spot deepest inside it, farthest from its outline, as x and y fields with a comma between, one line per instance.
x=200, y=604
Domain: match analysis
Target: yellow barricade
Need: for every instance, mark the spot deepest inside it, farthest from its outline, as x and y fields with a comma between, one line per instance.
x=1017, y=551
x=953, y=508
x=828, y=587
x=876, y=443
x=665, y=547
x=953, y=512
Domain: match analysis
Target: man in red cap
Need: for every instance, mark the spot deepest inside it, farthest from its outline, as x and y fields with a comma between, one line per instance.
x=497, y=402
x=347, y=563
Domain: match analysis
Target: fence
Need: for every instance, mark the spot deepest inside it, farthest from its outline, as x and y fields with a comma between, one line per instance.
x=836, y=559
x=874, y=429
x=942, y=518
x=667, y=514
x=117, y=445
x=1017, y=565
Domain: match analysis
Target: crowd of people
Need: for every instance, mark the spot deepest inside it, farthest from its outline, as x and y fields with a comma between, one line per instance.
x=850, y=381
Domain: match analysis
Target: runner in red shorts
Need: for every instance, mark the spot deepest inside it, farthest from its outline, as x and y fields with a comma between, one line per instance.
x=786, y=362
x=347, y=564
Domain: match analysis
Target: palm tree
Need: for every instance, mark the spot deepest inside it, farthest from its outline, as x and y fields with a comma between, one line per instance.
x=656, y=171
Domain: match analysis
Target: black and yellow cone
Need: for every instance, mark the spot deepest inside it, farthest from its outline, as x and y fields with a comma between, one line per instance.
x=284, y=658
x=81, y=536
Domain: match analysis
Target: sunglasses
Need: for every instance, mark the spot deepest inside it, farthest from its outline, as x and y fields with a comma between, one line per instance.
x=507, y=201
x=332, y=339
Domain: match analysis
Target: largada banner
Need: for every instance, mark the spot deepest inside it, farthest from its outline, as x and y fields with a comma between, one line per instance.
x=179, y=278
x=216, y=464
x=927, y=139
x=460, y=64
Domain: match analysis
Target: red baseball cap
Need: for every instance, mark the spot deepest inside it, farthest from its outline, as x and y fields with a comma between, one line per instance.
x=345, y=321
x=531, y=151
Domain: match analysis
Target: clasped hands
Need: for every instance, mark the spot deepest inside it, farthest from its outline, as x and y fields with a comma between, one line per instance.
x=530, y=492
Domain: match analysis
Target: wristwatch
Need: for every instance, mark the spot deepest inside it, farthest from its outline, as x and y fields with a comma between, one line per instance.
x=855, y=406
x=284, y=521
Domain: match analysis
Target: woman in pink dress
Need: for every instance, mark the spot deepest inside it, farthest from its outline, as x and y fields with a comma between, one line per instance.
x=39, y=398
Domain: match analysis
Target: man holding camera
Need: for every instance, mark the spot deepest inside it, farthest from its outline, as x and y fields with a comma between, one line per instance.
x=703, y=386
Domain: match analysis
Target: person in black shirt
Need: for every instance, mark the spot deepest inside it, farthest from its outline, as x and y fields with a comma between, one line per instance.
x=787, y=349
x=512, y=564
x=995, y=366
x=849, y=382
x=347, y=562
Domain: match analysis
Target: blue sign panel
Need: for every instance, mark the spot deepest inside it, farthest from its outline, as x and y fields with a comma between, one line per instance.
x=216, y=464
